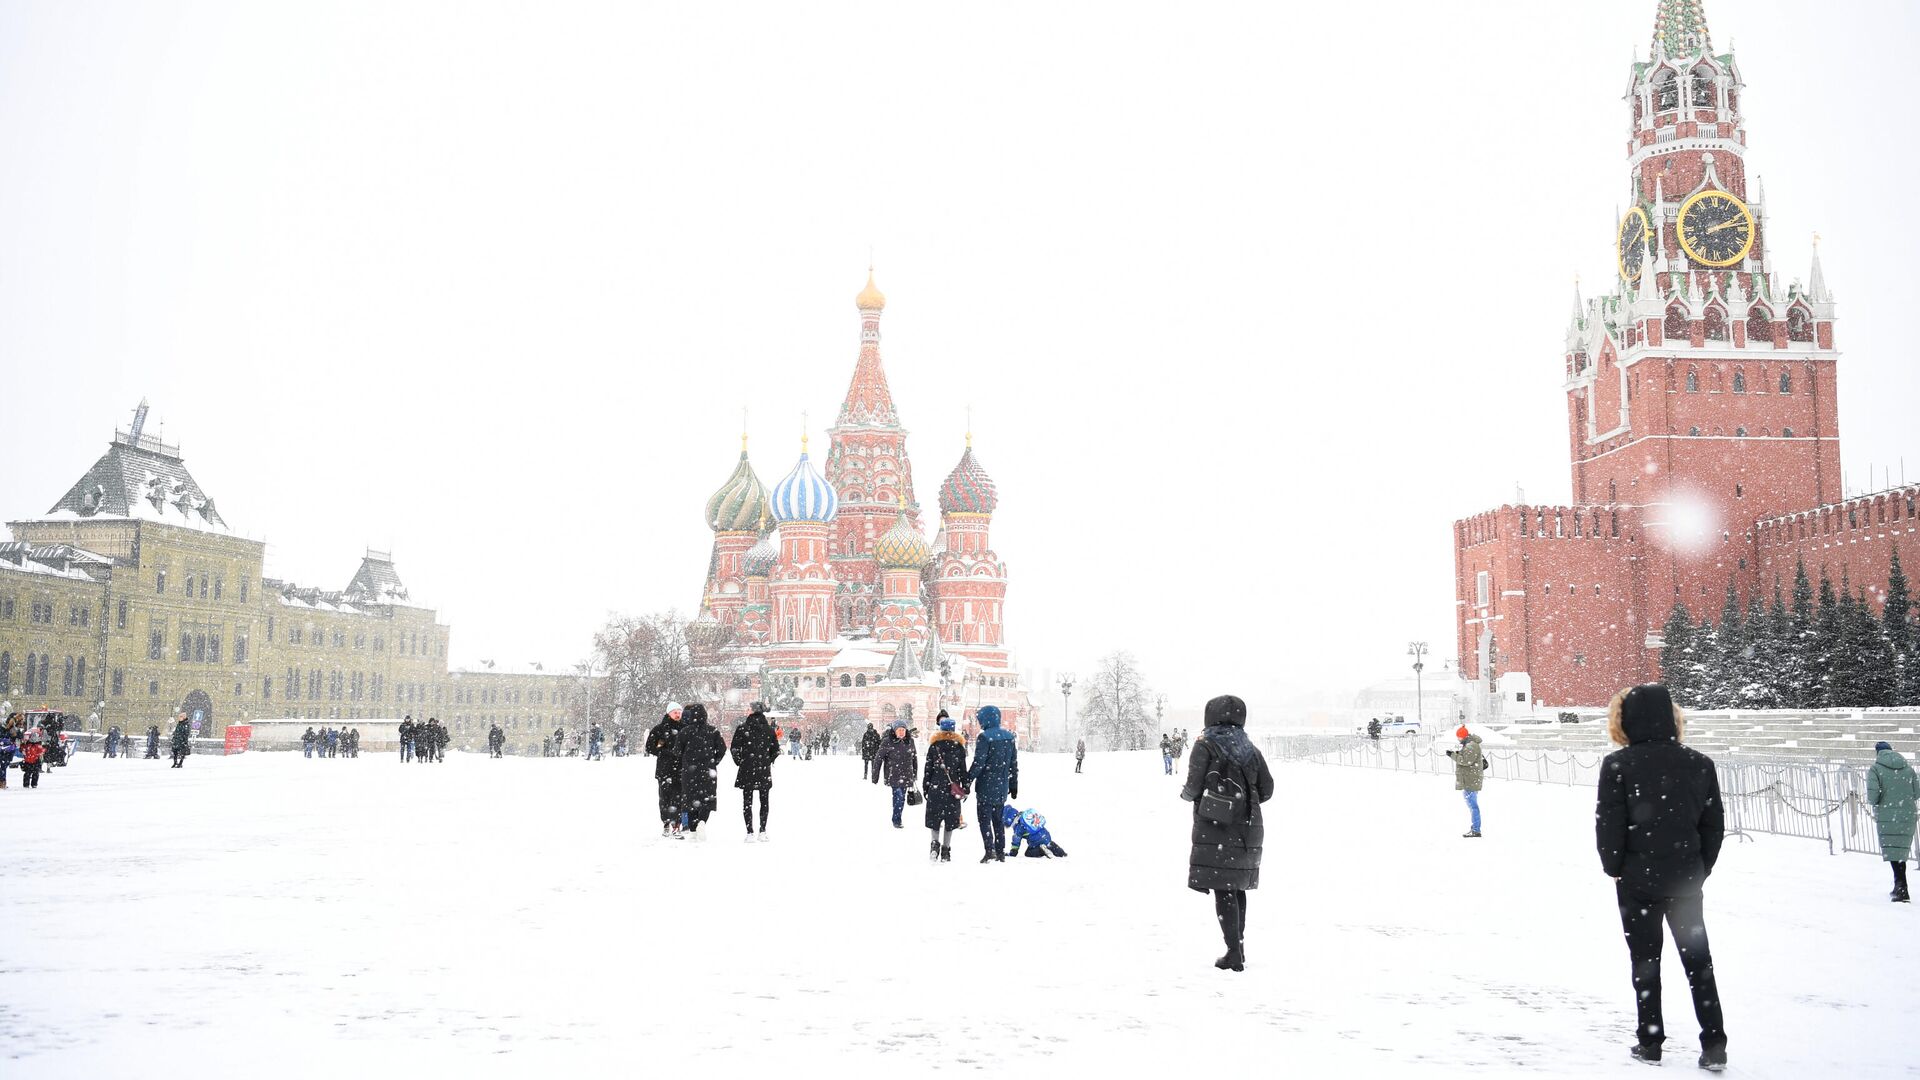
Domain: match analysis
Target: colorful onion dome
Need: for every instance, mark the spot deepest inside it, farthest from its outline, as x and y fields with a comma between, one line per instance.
x=705, y=630
x=870, y=298
x=759, y=559
x=741, y=502
x=804, y=495
x=902, y=547
x=968, y=488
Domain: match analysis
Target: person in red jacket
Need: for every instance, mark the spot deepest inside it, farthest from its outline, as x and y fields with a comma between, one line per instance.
x=35, y=752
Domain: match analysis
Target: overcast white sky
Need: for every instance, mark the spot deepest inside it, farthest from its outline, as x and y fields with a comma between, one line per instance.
x=1250, y=302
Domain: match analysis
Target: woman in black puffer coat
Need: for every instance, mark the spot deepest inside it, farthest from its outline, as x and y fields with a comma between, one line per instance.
x=701, y=749
x=1227, y=780
x=944, y=783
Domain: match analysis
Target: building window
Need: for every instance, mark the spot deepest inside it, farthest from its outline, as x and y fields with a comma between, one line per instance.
x=6, y=608
x=1740, y=432
x=1703, y=90
x=1786, y=382
x=239, y=646
x=243, y=592
x=120, y=616
x=1759, y=326
x=66, y=678
x=1693, y=381
x=160, y=581
x=213, y=646
x=153, y=688
x=1715, y=324
x=6, y=672
x=119, y=682
x=1786, y=433
x=1799, y=325
x=189, y=586
x=1694, y=430
x=218, y=584
x=1666, y=92
x=1740, y=381
x=156, y=638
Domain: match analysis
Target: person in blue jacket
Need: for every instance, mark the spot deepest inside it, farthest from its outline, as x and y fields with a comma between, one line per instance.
x=996, y=778
x=1030, y=826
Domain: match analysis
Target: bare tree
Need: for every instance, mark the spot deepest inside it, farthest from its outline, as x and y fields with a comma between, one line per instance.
x=1116, y=707
x=645, y=662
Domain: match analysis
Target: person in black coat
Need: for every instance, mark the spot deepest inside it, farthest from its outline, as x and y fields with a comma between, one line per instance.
x=1658, y=826
x=663, y=744
x=898, y=763
x=869, y=750
x=153, y=741
x=701, y=749
x=182, y=744
x=754, y=748
x=944, y=784
x=1227, y=780
x=406, y=738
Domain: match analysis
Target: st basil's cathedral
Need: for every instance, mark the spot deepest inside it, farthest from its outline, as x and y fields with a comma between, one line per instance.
x=825, y=598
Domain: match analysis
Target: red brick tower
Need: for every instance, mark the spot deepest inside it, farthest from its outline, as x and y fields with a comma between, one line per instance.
x=867, y=465
x=902, y=554
x=969, y=585
x=1700, y=399
x=736, y=514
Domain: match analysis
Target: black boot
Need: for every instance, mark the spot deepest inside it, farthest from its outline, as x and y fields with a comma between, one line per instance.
x=1899, y=895
x=1649, y=1055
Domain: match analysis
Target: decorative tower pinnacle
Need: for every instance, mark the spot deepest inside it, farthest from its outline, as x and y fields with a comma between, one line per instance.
x=1680, y=28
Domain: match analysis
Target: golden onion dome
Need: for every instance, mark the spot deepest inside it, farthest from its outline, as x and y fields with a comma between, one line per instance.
x=871, y=298
x=902, y=547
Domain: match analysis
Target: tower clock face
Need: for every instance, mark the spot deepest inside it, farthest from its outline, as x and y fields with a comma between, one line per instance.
x=1716, y=229
x=1634, y=238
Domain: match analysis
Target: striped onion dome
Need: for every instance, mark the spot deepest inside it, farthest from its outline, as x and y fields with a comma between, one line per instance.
x=968, y=489
x=741, y=502
x=804, y=495
x=902, y=547
x=759, y=559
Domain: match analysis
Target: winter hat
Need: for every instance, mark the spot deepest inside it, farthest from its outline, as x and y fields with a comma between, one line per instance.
x=1461, y=732
x=900, y=724
x=695, y=713
x=1883, y=745
x=673, y=706
x=946, y=722
x=1228, y=710
x=759, y=706
x=988, y=715
x=942, y=716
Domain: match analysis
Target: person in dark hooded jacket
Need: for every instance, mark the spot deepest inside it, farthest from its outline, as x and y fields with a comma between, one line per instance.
x=1658, y=827
x=995, y=774
x=944, y=784
x=663, y=744
x=1227, y=780
x=182, y=744
x=898, y=764
x=701, y=749
x=869, y=749
x=754, y=748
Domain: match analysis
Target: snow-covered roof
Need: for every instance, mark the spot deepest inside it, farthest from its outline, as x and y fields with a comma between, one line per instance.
x=50, y=560
x=140, y=478
x=856, y=656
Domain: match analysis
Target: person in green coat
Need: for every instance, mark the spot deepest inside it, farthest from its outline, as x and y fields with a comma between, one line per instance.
x=1469, y=772
x=1892, y=790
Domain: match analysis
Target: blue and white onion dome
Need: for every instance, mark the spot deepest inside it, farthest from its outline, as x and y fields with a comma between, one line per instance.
x=760, y=558
x=804, y=495
x=902, y=547
x=741, y=502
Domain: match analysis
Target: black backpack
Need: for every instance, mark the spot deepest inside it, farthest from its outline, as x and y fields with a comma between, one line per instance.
x=1224, y=799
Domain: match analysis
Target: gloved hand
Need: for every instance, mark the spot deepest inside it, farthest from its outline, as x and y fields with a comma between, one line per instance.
x=1013, y=792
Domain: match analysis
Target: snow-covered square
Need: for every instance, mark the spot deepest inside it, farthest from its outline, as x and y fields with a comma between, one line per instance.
x=525, y=918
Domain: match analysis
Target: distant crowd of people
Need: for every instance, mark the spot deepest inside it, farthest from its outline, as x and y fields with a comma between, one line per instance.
x=423, y=741
x=330, y=742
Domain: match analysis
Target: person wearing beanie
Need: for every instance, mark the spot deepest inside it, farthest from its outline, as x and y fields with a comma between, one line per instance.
x=995, y=775
x=943, y=782
x=1227, y=780
x=1892, y=790
x=869, y=750
x=1469, y=772
x=898, y=763
x=1658, y=826
x=701, y=749
x=663, y=744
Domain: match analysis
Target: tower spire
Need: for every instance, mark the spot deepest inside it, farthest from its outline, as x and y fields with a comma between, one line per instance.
x=1680, y=28
x=1817, y=279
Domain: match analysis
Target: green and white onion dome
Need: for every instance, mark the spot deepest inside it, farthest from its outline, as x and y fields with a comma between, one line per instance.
x=741, y=503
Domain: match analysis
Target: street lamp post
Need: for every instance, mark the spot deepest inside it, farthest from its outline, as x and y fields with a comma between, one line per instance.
x=1066, y=709
x=1418, y=650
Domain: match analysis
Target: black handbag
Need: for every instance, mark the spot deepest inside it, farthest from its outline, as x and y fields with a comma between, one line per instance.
x=913, y=796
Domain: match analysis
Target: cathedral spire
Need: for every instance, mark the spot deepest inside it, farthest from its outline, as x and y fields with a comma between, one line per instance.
x=869, y=401
x=1817, y=280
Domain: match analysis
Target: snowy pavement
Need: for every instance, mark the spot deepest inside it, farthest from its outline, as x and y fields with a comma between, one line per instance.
x=524, y=918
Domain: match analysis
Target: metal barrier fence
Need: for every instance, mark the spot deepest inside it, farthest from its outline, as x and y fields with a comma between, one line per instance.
x=1814, y=801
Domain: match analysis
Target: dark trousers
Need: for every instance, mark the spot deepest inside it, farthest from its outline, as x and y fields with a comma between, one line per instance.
x=1230, y=907
x=993, y=831
x=670, y=809
x=30, y=774
x=153, y=750
x=746, y=807
x=179, y=758
x=866, y=768
x=899, y=803
x=1641, y=918
x=1077, y=762
x=5, y=761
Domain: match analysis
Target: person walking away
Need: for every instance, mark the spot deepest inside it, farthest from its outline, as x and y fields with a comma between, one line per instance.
x=182, y=742
x=701, y=749
x=663, y=744
x=306, y=743
x=995, y=775
x=1469, y=773
x=11, y=732
x=1892, y=789
x=1079, y=754
x=1658, y=827
x=495, y=740
x=406, y=738
x=755, y=747
x=944, y=786
x=793, y=741
x=1227, y=781
x=898, y=763
x=869, y=749
x=1166, y=753
x=153, y=742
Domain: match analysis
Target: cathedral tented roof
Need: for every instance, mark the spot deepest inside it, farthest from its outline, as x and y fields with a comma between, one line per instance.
x=376, y=582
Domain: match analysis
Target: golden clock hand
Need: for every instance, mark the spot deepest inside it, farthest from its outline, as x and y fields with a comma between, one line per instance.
x=1727, y=225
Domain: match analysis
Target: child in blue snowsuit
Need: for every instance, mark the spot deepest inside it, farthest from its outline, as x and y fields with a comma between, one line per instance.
x=1030, y=826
